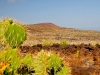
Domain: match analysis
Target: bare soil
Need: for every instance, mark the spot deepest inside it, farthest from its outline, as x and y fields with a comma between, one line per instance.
x=83, y=59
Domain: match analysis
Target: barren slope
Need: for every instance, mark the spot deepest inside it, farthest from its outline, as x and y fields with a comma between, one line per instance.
x=49, y=31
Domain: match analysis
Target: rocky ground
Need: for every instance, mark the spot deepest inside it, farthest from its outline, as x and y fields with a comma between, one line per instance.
x=83, y=59
x=82, y=53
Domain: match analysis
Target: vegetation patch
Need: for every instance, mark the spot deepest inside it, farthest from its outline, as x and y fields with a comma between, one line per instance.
x=12, y=62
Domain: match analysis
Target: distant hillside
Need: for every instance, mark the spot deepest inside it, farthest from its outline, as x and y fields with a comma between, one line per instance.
x=45, y=31
x=47, y=25
x=41, y=27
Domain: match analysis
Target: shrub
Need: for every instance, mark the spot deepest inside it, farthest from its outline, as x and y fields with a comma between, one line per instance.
x=47, y=43
x=63, y=43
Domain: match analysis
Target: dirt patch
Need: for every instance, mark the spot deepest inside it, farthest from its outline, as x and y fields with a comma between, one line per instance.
x=83, y=59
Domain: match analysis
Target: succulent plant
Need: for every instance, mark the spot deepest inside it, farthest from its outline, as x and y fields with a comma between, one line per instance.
x=15, y=35
x=41, y=63
x=54, y=63
x=11, y=33
x=45, y=64
x=4, y=23
x=10, y=20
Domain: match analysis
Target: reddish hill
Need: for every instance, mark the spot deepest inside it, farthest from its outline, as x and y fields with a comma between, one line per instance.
x=42, y=27
x=51, y=25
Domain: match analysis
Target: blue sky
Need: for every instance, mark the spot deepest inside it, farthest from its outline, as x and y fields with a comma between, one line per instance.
x=81, y=14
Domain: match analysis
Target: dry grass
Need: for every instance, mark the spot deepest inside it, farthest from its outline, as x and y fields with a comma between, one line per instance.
x=38, y=33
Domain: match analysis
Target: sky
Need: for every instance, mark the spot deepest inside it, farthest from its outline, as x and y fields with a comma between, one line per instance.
x=80, y=14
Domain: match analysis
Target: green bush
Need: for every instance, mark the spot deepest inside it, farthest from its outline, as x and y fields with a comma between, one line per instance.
x=63, y=43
